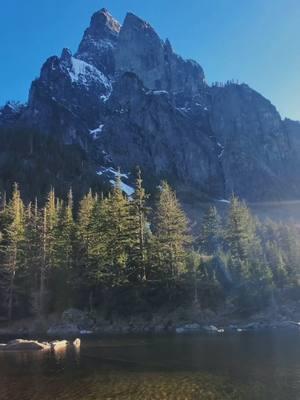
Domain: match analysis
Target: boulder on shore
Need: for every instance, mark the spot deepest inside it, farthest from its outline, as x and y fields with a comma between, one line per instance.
x=59, y=345
x=34, y=345
x=77, y=343
x=24, y=345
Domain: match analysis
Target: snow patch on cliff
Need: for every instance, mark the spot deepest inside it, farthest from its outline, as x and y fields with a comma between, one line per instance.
x=95, y=133
x=129, y=190
x=221, y=150
x=223, y=201
x=112, y=174
x=111, y=171
x=83, y=73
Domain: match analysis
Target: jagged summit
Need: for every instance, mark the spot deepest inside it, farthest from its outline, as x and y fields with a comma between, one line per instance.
x=136, y=22
x=66, y=54
x=103, y=10
x=140, y=49
x=99, y=41
x=103, y=23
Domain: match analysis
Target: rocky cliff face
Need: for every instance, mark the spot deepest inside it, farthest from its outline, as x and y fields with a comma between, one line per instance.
x=128, y=99
x=255, y=149
x=68, y=97
x=140, y=50
x=143, y=128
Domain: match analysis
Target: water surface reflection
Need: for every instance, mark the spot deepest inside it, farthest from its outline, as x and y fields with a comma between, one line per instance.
x=252, y=366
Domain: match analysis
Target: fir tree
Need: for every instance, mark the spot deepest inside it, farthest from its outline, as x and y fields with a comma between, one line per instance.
x=64, y=238
x=211, y=231
x=101, y=267
x=171, y=233
x=84, y=228
x=48, y=233
x=14, y=245
x=242, y=241
x=275, y=260
x=118, y=238
x=139, y=228
x=33, y=252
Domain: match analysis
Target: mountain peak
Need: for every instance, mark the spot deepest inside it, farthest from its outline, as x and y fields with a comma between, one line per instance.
x=139, y=27
x=140, y=50
x=134, y=20
x=99, y=40
x=156, y=110
x=103, y=24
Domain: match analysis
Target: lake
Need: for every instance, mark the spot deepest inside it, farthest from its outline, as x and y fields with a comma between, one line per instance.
x=256, y=365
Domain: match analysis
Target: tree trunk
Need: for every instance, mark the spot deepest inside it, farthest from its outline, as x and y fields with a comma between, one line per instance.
x=11, y=285
x=196, y=298
x=142, y=245
x=42, y=292
x=11, y=296
x=43, y=268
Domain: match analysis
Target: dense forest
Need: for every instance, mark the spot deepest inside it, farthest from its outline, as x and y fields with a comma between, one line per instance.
x=126, y=255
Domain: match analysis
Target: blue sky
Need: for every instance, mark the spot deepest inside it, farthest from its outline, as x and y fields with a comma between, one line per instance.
x=253, y=41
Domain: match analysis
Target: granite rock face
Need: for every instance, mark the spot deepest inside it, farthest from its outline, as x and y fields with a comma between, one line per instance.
x=128, y=99
x=140, y=50
x=255, y=151
x=142, y=127
x=68, y=97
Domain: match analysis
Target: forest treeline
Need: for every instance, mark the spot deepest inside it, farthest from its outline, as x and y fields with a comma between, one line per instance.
x=128, y=255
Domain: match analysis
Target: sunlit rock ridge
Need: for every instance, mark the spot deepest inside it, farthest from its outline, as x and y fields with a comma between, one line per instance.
x=128, y=99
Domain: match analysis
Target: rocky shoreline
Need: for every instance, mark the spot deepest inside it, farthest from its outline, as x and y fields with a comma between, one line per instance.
x=34, y=345
x=77, y=323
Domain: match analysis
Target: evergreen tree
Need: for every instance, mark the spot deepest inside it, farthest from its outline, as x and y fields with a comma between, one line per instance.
x=118, y=238
x=101, y=270
x=84, y=228
x=64, y=239
x=289, y=242
x=64, y=234
x=33, y=253
x=171, y=233
x=50, y=228
x=211, y=234
x=48, y=232
x=86, y=234
x=193, y=265
x=276, y=262
x=242, y=241
x=13, y=246
x=139, y=229
x=247, y=264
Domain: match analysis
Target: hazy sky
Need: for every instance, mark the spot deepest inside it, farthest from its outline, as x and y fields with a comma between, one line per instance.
x=255, y=41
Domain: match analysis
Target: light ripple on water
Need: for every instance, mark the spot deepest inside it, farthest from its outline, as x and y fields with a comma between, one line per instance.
x=132, y=386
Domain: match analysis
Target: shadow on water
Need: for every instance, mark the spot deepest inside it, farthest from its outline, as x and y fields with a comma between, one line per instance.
x=246, y=366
